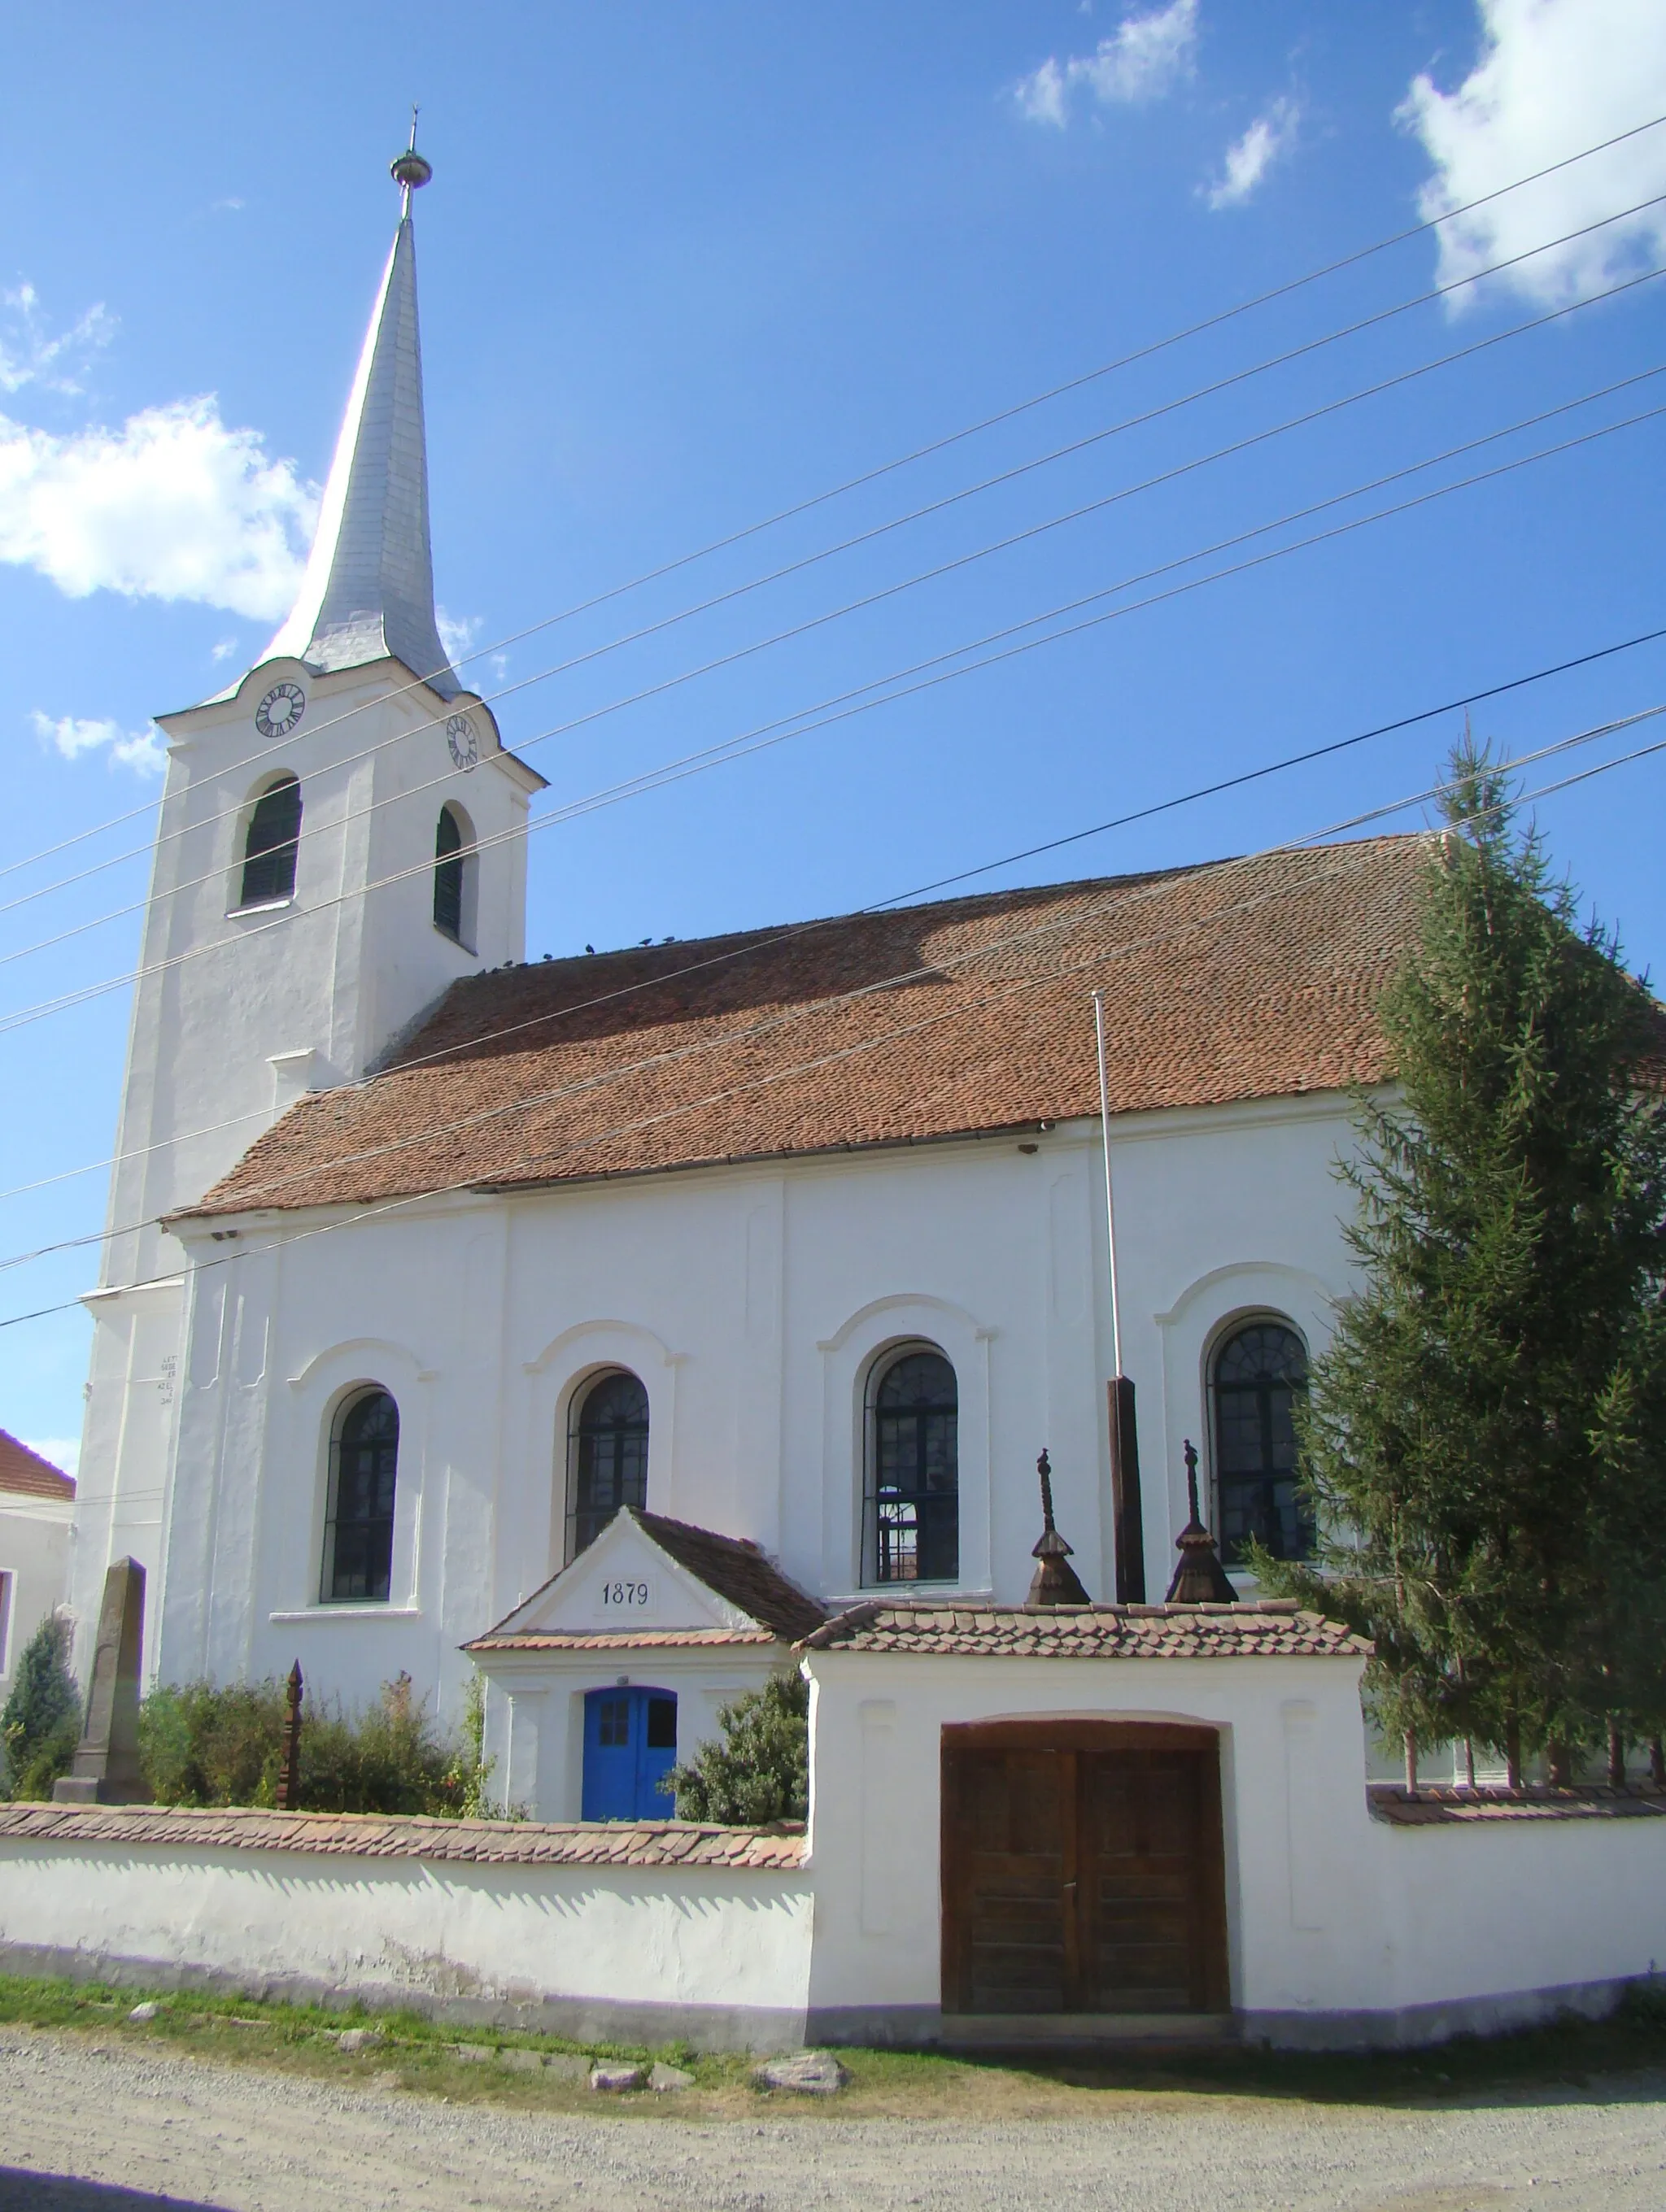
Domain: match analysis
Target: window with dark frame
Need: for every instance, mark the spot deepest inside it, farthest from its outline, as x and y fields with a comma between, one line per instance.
x=272, y=844
x=358, y=1536
x=449, y=875
x=607, y=1457
x=1260, y=1372
x=911, y=1514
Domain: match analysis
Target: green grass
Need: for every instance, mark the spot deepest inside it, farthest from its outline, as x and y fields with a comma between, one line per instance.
x=420, y=2056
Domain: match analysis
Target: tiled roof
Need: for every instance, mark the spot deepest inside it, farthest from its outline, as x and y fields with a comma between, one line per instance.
x=1238, y=979
x=730, y=1567
x=1442, y=1807
x=373, y=1835
x=1269, y=1628
x=24, y=1474
x=616, y=1640
x=737, y=1570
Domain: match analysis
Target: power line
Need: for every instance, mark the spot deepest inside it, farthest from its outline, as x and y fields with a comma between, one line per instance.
x=755, y=941
x=737, y=748
x=565, y=667
x=1003, y=545
x=406, y=1199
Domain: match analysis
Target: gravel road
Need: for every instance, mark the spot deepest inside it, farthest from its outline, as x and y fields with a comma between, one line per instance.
x=87, y=2128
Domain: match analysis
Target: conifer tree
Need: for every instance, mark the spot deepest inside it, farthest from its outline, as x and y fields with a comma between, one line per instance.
x=1485, y=1439
x=41, y=1722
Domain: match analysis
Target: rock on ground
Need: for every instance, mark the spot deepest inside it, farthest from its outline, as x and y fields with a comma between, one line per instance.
x=811, y=2073
x=666, y=2077
x=615, y=2078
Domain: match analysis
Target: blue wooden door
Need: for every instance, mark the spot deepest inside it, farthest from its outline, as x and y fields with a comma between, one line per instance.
x=630, y=1742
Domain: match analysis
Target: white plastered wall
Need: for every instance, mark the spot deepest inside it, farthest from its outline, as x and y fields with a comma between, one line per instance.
x=752, y=1301
x=1340, y=1926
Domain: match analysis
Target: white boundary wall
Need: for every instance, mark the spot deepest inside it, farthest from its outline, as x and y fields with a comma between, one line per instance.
x=718, y=1956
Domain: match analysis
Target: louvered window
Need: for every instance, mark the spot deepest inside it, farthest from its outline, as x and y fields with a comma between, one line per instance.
x=449, y=875
x=272, y=844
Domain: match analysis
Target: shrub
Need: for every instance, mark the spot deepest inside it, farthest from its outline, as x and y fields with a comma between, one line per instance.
x=758, y=1769
x=41, y=1724
x=202, y=1743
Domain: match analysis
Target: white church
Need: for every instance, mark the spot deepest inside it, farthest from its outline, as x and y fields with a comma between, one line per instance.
x=632, y=1327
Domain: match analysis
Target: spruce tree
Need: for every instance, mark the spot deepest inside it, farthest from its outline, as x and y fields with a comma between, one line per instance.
x=41, y=1725
x=758, y=1769
x=1485, y=1438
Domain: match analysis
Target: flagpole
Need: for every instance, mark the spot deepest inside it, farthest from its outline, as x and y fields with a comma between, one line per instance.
x=1110, y=1208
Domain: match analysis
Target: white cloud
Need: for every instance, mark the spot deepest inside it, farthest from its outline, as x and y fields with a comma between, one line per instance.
x=1143, y=59
x=222, y=648
x=144, y=751
x=1267, y=140
x=1552, y=77
x=456, y=633
x=29, y=355
x=172, y=505
x=63, y=1452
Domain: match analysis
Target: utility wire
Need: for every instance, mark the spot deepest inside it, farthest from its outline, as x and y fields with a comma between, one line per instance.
x=1436, y=292
x=979, y=553
x=767, y=939
x=737, y=748
x=1097, y=959
x=258, y=1194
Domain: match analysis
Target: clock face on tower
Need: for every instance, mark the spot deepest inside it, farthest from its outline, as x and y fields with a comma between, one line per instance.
x=280, y=710
x=459, y=736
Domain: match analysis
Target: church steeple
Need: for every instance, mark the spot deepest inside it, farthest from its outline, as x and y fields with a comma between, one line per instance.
x=368, y=589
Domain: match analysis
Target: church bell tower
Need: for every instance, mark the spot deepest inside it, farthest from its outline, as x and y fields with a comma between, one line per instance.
x=340, y=840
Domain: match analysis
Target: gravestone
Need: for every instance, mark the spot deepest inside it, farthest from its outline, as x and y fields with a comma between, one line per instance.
x=105, y=1770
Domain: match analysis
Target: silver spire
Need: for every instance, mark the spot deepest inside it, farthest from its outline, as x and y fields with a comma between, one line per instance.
x=368, y=589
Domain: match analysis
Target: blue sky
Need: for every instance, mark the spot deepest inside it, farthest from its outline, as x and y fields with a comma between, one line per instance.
x=682, y=267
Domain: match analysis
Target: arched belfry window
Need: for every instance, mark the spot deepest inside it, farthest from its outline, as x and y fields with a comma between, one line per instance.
x=911, y=1517
x=607, y=1456
x=451, y=837
x=271, y=843
x=358, y=1529
x=1260, y=1372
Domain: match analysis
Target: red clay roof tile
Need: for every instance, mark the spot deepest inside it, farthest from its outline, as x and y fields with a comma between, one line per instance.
x=1238, y=979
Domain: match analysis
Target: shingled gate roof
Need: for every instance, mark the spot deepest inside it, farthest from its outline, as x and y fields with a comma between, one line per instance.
x=24, y=1474
x=1238, y=979
x=1268, y=1628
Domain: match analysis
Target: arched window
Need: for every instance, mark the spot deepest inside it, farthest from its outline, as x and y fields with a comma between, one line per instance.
x=607, y=1463
x=911, y=1519
x=1260, y=1372
x=449, y=839
x=358, y=1529
x=272, y=842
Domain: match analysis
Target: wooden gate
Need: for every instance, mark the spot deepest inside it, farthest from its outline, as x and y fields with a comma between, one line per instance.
x=1083, y=1870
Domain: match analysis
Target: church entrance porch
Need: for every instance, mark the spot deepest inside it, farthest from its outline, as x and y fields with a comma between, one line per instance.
x=1083, y=1870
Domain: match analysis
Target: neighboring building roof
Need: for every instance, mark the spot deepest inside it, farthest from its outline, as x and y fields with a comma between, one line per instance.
x=374, y=1835
x=368, y=589
x=24, y=1474
x=1269, y=1628
x=1238, y=979
x=731, y=1567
